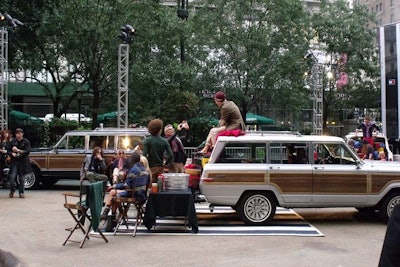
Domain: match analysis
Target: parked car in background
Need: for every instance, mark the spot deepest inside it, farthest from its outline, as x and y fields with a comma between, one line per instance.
x=64, y=160
x=379, y=138
x=257, y=172
x=69, y=117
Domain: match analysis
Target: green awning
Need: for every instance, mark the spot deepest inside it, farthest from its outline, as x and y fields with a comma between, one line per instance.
x=252, y=118
x=107, y=116
x=35, y=89
x=18, y=115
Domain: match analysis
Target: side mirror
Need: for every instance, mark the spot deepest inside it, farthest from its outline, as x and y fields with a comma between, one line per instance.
x=358, y=164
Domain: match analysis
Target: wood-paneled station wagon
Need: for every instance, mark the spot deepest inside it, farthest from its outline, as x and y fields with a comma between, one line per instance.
x=259, y=171
x=64, y=160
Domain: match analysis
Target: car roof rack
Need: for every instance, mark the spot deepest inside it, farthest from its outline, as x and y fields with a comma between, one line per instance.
x=274, y=132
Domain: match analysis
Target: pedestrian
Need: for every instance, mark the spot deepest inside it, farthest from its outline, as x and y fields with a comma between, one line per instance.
x=154, y=149
x=231, y=119
x=176, y=165
x=20, y=163
x=5, y=146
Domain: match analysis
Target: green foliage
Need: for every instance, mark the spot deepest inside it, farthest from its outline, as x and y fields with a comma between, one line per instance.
x=255, y=50
x=252, y=50
x=344, y=31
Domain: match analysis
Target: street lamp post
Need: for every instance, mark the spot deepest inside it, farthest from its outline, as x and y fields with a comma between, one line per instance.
x=183, y=13
x=79, y=95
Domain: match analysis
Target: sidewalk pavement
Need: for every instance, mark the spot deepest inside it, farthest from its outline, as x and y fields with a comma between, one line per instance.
x=33, y=229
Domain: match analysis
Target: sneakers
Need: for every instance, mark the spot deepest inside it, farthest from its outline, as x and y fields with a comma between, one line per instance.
x=104, y=215
x=11, y=195
x=21, y=196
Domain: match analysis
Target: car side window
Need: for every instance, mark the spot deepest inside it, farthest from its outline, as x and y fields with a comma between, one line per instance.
x=278, y=153
x=128, y=142
x=106, y=142
x=289, y=153
x=297, y=153
x=72, y=142
x=332, y=154
x=242, y=153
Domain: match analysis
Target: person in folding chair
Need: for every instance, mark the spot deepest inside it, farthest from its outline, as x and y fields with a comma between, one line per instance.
x=120, y=167
x=133, y=189
x=95, y=166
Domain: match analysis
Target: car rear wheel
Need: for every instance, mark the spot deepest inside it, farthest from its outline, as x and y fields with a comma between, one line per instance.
x=49, y=182
x=256, y=208
x=386, y=208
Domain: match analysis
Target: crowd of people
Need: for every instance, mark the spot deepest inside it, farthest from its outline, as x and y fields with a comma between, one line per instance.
x=367, y=147
x=160, y=152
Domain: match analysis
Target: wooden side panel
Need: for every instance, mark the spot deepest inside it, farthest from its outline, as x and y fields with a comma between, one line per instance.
x=340, y=183
x=380, y=181
x=292, y=182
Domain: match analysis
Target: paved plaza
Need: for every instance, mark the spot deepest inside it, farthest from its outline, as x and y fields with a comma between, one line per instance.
x=34, y=229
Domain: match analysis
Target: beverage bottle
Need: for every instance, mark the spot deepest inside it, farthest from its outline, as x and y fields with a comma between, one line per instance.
x=164, y=184
x=160, y=182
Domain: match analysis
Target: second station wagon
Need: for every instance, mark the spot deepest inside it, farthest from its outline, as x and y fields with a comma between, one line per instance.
x=257, y=172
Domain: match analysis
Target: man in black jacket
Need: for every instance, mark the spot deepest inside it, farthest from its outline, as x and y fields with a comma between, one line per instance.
x=20, y=163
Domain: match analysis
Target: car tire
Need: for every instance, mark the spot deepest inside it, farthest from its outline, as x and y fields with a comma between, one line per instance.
x=387, y=205
x=367, y=210
x=49, y=182
x=32, y=180
x=256, y=208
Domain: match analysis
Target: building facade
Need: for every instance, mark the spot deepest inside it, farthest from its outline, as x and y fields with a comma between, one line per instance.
x=386, y=11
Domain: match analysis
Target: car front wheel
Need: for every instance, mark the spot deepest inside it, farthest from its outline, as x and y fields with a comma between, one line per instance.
x=386, y=208
x=256, y=208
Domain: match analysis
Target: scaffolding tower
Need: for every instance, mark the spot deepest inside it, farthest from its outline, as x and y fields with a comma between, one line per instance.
x=3, y=78
x=123, y=70
x=318, y=98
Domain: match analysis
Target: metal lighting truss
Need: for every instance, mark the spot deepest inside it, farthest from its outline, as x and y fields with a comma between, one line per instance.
x=318, y=95
x=3, y=78
x=123, y=70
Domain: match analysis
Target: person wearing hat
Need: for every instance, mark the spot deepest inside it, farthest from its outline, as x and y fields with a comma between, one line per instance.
x=231, y=119
x=20, y=164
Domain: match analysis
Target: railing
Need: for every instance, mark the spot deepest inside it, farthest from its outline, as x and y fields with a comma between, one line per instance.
x=190, y=151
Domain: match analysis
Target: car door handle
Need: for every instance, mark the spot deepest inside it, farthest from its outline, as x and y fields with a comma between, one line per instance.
x=319, y=168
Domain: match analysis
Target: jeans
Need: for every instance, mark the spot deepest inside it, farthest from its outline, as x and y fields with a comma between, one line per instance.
x=21, y=178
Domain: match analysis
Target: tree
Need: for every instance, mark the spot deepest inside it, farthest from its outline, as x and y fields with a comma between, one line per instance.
x=343, y=31
x=34, y=48
x=254, y=51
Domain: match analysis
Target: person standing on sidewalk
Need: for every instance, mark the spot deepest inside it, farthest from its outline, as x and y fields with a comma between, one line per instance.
x=176, y=165
x=20, y=164
x=154, y=149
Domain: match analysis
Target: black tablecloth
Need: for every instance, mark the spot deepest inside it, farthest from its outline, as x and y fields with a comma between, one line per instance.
x=171, y=203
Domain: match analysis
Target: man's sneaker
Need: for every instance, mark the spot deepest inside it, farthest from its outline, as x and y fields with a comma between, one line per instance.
x=21, y=196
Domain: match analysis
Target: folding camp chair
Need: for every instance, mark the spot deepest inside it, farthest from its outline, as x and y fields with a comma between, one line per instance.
x=137, y=197
x=85, y=207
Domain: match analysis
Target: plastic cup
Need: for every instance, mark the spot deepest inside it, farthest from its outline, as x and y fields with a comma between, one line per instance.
x=154, y=188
